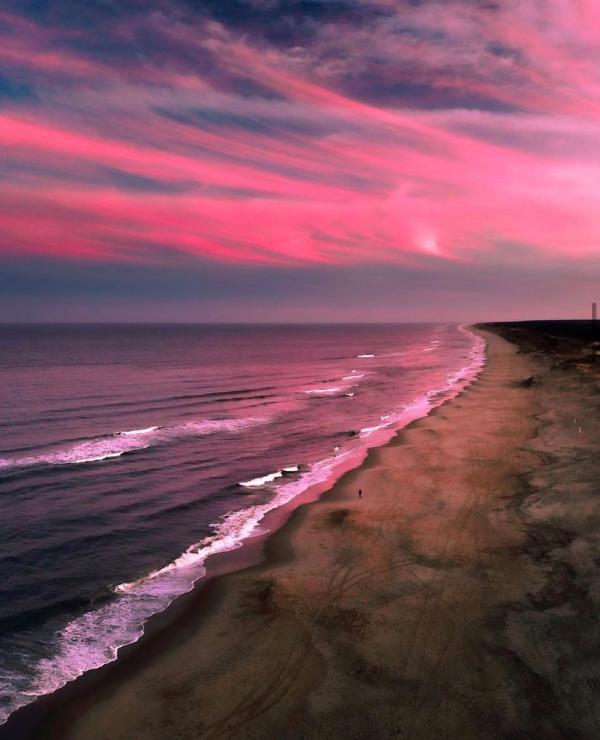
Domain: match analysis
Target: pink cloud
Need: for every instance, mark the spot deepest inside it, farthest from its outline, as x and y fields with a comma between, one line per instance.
x=316, y=173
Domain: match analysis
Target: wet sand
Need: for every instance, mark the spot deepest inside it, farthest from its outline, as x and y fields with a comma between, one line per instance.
x=458, y=598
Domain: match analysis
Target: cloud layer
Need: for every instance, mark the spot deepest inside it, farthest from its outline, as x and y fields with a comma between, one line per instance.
x=301, y=134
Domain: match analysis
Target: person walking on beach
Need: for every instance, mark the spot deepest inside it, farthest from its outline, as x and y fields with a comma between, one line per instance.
x=360, y=493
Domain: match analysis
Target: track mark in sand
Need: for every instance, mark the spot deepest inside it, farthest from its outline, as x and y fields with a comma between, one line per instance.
x=273, y=687
x=442, y=663
x=276, y=684
x=430, y=614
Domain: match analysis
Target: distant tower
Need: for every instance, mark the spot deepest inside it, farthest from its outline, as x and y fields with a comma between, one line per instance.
x=594, y=311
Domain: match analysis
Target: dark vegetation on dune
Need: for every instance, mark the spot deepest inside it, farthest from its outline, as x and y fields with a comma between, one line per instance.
x=567, y=343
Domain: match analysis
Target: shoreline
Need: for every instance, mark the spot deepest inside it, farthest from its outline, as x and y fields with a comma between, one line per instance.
x=179, y=614
x=458, y=598
x=255, y=551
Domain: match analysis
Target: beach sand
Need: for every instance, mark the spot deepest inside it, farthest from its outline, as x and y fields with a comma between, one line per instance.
x=458, y=598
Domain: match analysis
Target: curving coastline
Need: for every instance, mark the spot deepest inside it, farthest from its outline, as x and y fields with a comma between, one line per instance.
x=454, y=599
x=161, y=587
x=251, y=538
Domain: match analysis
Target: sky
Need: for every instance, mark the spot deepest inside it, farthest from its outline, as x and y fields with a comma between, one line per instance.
x=299, y=160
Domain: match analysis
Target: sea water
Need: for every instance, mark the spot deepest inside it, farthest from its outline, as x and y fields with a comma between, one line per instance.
x=130, y=454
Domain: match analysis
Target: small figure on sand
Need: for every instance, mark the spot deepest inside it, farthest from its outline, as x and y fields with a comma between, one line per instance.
x=360, y=493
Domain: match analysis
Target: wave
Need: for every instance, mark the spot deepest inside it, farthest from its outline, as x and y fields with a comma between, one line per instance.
x=432, y=346
x=364, y=357
x=114, y=445
x=167, y=404
x=323, y=391
x=349, y=381
x=255, y=482
x=367, y=431
x=139, y=431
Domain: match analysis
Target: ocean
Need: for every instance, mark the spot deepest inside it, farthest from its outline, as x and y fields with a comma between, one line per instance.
x=130, y=454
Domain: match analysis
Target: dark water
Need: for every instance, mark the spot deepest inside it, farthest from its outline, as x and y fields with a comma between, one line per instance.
x=130, y=454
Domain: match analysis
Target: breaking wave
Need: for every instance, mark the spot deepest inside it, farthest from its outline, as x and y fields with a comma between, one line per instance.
x=257, y=482
x=114, y=445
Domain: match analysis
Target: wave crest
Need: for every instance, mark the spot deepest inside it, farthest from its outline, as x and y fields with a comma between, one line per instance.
x=114, y=445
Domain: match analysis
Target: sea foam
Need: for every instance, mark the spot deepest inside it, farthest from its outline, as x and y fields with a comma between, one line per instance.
x=111, y=446
x=269, y=478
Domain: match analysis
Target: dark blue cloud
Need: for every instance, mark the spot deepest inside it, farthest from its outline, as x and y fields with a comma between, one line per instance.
x=369, y=87
x=280, y=126
x=137, y=183
x=286, y=22
x=14, y=89
x=135, y=35
x=94, y=176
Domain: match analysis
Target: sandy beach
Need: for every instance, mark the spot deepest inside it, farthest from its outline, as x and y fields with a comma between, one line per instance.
x=457, y=598
x=300, y=370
